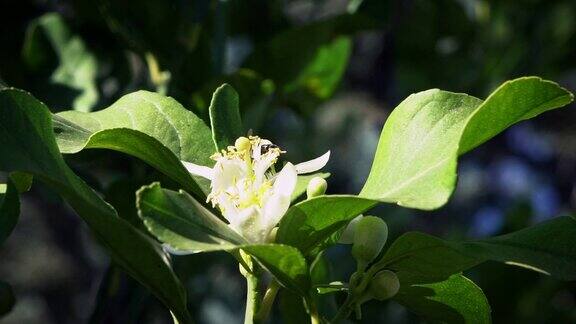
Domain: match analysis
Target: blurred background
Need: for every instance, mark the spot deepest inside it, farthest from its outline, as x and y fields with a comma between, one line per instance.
x=312, y=76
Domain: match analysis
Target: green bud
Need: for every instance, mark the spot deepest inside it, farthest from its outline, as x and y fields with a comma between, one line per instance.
x=316, y=187
x=370, y=235
x=384, y=285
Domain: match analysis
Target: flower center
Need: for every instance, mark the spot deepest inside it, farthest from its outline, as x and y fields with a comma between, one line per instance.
x=244, y=174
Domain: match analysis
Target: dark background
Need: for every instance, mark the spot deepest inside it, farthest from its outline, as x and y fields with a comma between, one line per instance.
x=311, y=77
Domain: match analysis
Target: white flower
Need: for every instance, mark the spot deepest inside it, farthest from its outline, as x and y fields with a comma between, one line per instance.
x=246, y=188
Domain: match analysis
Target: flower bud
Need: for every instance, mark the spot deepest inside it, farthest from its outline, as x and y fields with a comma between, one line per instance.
x=370, y=236
x=316, y=187
x=347, y=236
x=384, y=285
x=242, y=144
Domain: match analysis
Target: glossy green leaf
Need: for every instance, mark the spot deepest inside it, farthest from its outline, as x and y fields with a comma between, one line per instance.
x=27, y=144
x=77, y=67
x=455, y=300
x=185, y=226
x=312, y=221
x=225, y=118
x=547, y=247
x=425, y=257
x=285, y=262
x=147, y=125
x=428, y=258
x=180, y=221
x=9, y=209
x=416, y=158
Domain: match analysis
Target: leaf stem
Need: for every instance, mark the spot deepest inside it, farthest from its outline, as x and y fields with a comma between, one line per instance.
x=249, y=271
x=267, y=301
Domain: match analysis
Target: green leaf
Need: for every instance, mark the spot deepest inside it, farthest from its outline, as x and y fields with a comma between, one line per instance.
x=425, y=258
x=22, y=181
x=292, y=308
x=428, y=258
x=333, y=287
x=182, y=223
x=27, y=144
x=547, y=247
x=285, y=262
x=77, y=67
x=147, y=125
x=416, y=158
x=312, y=221
x=455, y=300
x=9, y=209
x=307, y=63
x=302, y=183
x=225, y=118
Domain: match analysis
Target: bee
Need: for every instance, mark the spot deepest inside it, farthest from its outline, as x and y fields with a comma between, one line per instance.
x=264, y=148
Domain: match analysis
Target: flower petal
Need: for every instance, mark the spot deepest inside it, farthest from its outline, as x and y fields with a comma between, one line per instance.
x=227, y=173
x=248, y=224
x=313, y=165
x=199, y=170
x=279, y=201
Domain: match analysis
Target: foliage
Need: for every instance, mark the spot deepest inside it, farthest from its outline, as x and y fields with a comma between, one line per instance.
x=197, y=104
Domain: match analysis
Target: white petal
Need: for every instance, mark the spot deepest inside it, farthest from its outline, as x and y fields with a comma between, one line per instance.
x=279, y=201
x=313, y=165
x=199, y=170
x=248, y=223
x=261, y=166
x=227, y=173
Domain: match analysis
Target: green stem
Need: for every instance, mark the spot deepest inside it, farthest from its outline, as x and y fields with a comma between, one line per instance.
x=249, y=270
x=344, y=311
x=252, y=296
x=267, y=301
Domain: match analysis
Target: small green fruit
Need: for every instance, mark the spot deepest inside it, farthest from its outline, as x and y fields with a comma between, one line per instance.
x=370, y=236
x=316, y=187
x=384, y=285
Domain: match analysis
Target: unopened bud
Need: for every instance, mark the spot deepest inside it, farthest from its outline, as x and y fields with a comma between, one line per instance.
x=347, y=236
x=242, y=144
x=316, y=187
x=370, y=236
x=384, y=285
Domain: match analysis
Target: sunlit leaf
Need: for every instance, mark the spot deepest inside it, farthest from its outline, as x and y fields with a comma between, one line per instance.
x=27, y=144
x=225, y=117
x=416, y=158
x=76, y=66
x=147, y=125
x=185, y=226
x=454, y=300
